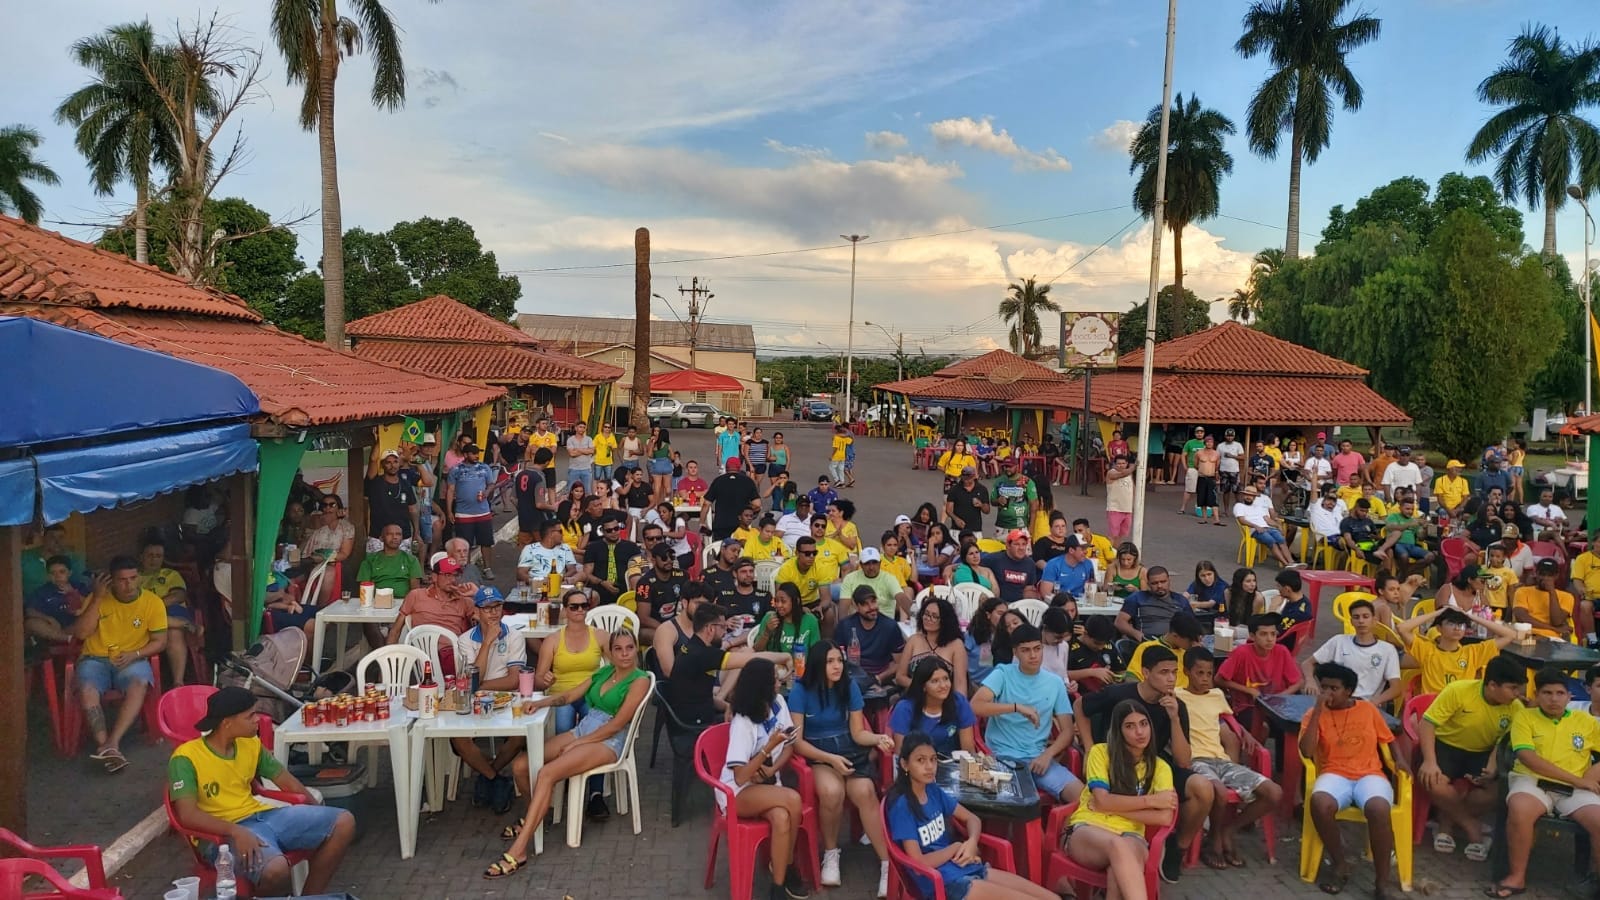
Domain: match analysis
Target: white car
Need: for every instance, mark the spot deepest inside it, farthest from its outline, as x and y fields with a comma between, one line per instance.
x=663, y=408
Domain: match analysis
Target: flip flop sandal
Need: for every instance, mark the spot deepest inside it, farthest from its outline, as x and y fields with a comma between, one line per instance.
x=505, y=865
x=1502, y=891
x=1235, y=860
x=105, y=753
x=1479, y=851
x=509, y=832
x=1444, y=842
x=115, y=764
x=1213, y=860
x=1334, y=883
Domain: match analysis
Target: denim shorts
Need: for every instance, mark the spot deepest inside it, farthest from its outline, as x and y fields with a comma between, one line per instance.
x=286, y=828
x=1272, y=537
x=98, y=672
x=593, y=721
x=1054, y=780
x=1410, y=551
x=660, y=467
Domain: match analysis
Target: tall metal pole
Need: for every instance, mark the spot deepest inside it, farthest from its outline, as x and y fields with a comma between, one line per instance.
x=1158, y=222
x=850, y=328
x=1576, y=193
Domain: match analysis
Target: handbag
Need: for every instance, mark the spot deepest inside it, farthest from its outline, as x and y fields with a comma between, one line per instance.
x=844, y=745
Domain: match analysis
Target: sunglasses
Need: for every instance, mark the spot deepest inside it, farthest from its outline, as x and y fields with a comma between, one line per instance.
x=576, y=606
x=651, y=538
x=330, y=506
x=612, y=530
x=806, y=553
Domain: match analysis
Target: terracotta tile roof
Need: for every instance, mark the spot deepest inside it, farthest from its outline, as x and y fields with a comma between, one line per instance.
x=1228, y=399
x=998, y=376
x=439, y=318
x=299, y=382
x=1007, y=365
x=489, y=363
x=39, y=266
x=1231, y=347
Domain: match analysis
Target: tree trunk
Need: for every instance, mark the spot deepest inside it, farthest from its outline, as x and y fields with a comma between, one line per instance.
x=1552, y=199
x=1291, y=242
x=332, y=217
x=141, y=221
x=1177, y=310
x=639, y=413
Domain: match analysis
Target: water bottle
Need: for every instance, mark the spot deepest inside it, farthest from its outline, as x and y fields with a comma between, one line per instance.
x=227, y=888
x=855, y=648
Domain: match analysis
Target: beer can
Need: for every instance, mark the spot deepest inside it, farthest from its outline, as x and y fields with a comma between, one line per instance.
x=383, y=709
x=311, y=715
x=341, y=714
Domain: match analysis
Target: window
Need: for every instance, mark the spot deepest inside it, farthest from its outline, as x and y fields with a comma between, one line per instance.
x=699, y=396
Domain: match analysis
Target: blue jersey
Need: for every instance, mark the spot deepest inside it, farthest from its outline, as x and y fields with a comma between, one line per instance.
x=472, y=483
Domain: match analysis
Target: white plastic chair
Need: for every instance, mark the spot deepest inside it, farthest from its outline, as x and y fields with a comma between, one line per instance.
x=427, y=639
x=611, y=617
x=708, y=555
x=937, y=590
x=1031, y=609
x=624, y=775
x=399, y=664
x=766, y=575
x=967, y=599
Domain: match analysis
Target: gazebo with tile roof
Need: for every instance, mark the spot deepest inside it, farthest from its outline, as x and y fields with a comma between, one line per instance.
x=445, y=337
x=996, y=382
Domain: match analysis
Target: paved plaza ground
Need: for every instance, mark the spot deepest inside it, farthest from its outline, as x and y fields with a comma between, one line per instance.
x=74, y=801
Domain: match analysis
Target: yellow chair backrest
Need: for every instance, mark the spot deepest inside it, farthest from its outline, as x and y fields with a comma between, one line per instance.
x=1423, y=607
x=1341, y=607
x=990, y=545
x=629, y=602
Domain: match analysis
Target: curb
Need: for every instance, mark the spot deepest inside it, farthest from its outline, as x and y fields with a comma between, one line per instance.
x=132, y=842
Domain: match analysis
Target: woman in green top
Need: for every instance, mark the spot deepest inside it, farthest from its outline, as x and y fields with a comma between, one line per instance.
x=659, y=449
x=971, y=570
x=787, y=624
x=778, y=458
x=614, y=695
x=1125, y=576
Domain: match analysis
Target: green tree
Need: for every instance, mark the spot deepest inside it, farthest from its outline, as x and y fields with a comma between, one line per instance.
x=1021, y=307
x=1403, y=202
x=1306, y=44
x=18, y=167
x=1196, y=162
x=1559, y=385
x=123, y=129
x=1195, y=316
x=445, y=257
x=1541, y=133
x=314, y=40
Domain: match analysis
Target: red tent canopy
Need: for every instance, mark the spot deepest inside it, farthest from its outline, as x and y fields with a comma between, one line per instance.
x=693, y=380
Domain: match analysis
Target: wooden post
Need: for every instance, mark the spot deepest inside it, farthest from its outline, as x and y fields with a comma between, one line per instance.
x=13, y=714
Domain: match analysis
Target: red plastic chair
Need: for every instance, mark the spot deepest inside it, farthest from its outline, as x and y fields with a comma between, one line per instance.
x=73, y=719
x=1421, y=803
x=51, y=683
x=902, y=886
x=182, y=707
x=1454, y=551
x=1060, y=866
x=806, y=784
x=745, y=836
x=1262, y=763
x=694, y=539
x=203, y=869
x=30, y=860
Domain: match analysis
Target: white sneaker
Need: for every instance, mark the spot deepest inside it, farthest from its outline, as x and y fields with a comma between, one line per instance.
x=883, y=879
x=830, y=868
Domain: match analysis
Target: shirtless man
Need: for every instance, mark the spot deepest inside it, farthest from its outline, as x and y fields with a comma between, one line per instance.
x=1207, y=461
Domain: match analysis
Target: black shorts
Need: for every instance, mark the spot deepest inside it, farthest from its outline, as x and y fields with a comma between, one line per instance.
x=759, y=468
x=550, y=478
x=479, y=533
x=776, y=469
x=1180, y=779
x=1455, y=762
x=1205, y=492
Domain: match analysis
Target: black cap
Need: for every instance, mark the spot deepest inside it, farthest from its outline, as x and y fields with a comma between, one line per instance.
x=662, y=550
x=1546, y=567
x=226, y=703
x=471, y=448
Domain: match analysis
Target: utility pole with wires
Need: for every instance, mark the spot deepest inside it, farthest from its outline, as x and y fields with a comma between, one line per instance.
x=850, y=329
x=696, y=311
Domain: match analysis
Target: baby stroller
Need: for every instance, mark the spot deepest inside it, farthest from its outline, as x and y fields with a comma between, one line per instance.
x=274, y=670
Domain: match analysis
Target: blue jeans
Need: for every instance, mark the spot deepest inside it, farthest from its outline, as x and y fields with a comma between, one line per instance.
x=98, y=672
x=576, y=474
x=303, y=827
x=601, y=473
x=1272, y=537
x=567, y=716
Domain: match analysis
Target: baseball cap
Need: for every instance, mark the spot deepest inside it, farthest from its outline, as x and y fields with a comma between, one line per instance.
x=447, y=566
x=391, y=453
x=870, y=554
x=488, y=595
x=1405, y=451
x=1016, y=534
x=1073, y=541
x=429, y=439
x=662, y=550
x=1009, y=462
x=1455, y=464
x=1199, y=429
x=968, y=470
x=434, y=559
x=732, y=539
x=471, y=448
x=1511, y=531
x=902, y=520
x=1546, y=567
x=226, y=703
x=1228, y=433
x=1322, y=435
x=733, y=464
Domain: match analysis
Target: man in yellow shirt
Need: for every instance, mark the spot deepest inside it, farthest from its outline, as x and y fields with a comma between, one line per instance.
x=1445, y=659
x=1351, y=492
x=211, y=781
x=543, y=437
x=1553, y=745
x=1456, y=736
x=1099, y=546
x=815, y=576
x=1215, y=754
x=605, y=452
x=1552, y=611
x=1585, y=581
x=122, y=627
x=841, y=441
x=829, y=548
x=1450, y=490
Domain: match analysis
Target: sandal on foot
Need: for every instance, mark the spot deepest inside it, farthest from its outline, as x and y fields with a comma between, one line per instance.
x=1478, y=851
x=105, y=753
x=509, y=832
x=1444, y=842
x=115, y=764
x=1334, y=882
x=1213, y=860
x=1502, y=891
x=1234, y=859
x=505, y=865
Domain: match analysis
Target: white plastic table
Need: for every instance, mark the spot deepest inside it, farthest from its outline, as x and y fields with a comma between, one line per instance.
x=393, y=730
x=439, y=730
x=344, y=613
x=523, y=624
x=1107, y=606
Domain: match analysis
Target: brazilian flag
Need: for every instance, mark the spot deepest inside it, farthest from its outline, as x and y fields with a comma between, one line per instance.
x=413, y=431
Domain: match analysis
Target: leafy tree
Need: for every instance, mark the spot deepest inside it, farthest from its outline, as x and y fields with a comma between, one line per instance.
x=445, y=257
x=314, y=40
x=794, y=377
x=1021, y=308
x=18, y=167
x=1559, y=385
x=1306, y=43
x=123, y=129
x=301, y=309
x=1196, y=162
x=1195, y=316
x=1402, y=202
x=1540, y=133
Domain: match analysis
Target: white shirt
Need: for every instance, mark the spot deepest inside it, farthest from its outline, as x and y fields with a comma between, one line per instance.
x=1552, y=512
x=746, y=738
x=1521, y=561
x=1232, y=452
x=1119, y=494
x=1251, y=515
x=792, y=528
x=680, y=546
x=1373, y=664
x=1401, y=475
x=538, y=560
x=510, y=651
x=1318, y=469
x=1325, y=522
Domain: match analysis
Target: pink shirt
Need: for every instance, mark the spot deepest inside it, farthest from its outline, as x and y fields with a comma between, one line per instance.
x=1345, y=465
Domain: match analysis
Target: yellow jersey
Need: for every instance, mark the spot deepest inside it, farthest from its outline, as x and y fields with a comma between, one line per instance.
x=899, y=567
x=1463, y=718
x=746, y=535
x=1442, y=667
x=125, y=627
x=1097, y=774
x=834, y=552
x=1586, y=568
x=1100, y=548
x=1508, y=581
x=848, y=531
x=605, y=449
x=758, y=551
x=1136, y=661
x=1565, y=742
x=1451, y=492
x=1349, y=495
x=1537, y=605
x=840, y=442
x=548, y=440
x=951, y=464
x=822, y=572
x=222, y=786
x=162, y=583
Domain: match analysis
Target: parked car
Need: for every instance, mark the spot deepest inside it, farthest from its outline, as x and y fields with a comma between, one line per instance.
x=698, y=415
x=819, y=411
x=663, y=408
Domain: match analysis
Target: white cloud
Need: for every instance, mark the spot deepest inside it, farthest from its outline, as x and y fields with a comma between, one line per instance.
x=801, y=150
x=979, y=134
x=886, y=140
x=1117, y=136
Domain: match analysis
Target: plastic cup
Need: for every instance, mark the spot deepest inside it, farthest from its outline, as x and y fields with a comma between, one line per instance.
x=190, y=885
x=176, y=894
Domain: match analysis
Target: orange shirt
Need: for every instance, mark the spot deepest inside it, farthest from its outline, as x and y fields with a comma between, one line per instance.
x=430, y=606
x=1345, y=745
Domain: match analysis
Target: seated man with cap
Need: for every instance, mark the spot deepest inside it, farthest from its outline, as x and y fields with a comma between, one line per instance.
x=500, y=656
x=1013, y=567
x=1068, y=572
x=211, y=781
x=894, y=599
x=444, y=603
x=1551, y=611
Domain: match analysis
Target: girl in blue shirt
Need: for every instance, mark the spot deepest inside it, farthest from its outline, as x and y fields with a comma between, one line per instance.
x=932, y=707
x=1208, y=594
x=922, y=819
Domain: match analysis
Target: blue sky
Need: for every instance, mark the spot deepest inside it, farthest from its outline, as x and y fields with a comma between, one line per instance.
x=732, y=129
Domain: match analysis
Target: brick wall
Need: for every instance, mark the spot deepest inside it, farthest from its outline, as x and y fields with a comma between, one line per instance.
x=109, y=532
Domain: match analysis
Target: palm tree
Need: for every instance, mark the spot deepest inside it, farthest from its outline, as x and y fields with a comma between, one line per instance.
x=124, y=129
x=314, y=39
x=1196, y=162
x=1243, y=305
x=1021, y=308
x=17, y=168
x=1307, y=44
x=1543, y=87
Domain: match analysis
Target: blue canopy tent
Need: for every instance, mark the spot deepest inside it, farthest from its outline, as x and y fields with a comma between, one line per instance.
x=91, y=423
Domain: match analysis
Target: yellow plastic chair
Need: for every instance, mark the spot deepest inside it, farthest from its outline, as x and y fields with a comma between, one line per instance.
x=1423, y=607
x=1324, y=555
x=1251, y=552
x=1399, y=823
x=629, y=602
x=1355, y=562
x=990, y=545
x=1341, y=607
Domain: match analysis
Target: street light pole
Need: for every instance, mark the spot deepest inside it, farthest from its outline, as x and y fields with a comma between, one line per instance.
x=850, y=328
x=1576, y=193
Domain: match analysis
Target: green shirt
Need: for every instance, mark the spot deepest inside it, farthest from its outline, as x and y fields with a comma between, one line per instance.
x=1012, y=501
x=785, y=634
x=1190, y=448
x=392, y=572
x=1409, y=536
x=885, y=586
